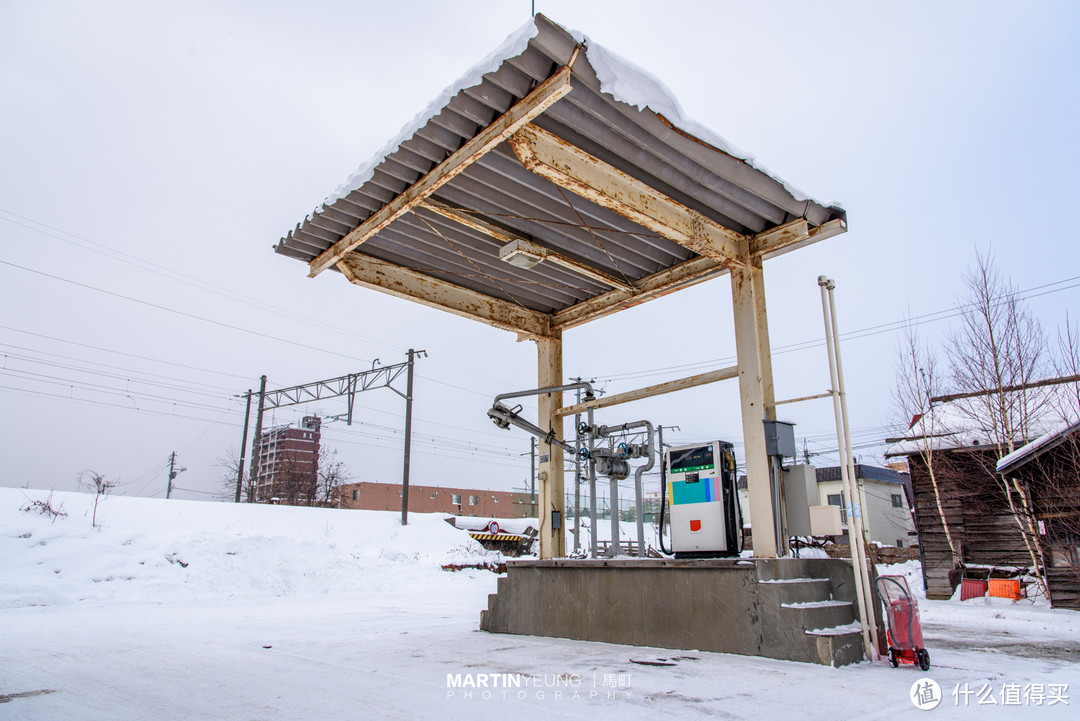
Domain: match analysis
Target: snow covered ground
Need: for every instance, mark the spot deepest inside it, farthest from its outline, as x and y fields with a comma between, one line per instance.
x=187, y=610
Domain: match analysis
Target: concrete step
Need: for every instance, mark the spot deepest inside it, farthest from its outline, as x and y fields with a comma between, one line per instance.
x=783, y=569
x=838, y=646
x=797, y=590
x=812, y=615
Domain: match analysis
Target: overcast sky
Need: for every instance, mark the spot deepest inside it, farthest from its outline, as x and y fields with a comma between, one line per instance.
x=151, y=154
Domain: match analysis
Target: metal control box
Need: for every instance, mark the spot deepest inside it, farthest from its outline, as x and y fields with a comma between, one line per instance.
x=780, y=439
x=702, y=500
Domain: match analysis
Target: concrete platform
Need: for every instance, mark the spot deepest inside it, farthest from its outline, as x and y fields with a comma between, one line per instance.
x=792, y=609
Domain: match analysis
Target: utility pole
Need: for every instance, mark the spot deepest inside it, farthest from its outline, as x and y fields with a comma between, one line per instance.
x=532, y=477
x=172, y=473
x=243, y=447
x=256, y=443
x=663, y=489
x=408, y=440
x=577, y=477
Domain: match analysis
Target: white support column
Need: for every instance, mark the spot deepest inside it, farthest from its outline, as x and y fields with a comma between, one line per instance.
x=768, y=390
x=752, y=398
x=551, y=496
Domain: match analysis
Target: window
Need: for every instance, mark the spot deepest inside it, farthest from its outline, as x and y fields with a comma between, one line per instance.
x=897, y=501
x=356, y=495
x=456, y=499
x=835, y=500
x=899, y=543
x=474, y=500
x=432, y=495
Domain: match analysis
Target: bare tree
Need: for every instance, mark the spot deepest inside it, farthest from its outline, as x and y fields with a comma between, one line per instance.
x=1067, y=365
x=333, y=474
x=1001, y=346
x=95, y=483
x=229, y=464
x=917, y=381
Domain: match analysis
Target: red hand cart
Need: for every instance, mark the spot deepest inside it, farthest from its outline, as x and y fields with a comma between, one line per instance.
x=902, y=615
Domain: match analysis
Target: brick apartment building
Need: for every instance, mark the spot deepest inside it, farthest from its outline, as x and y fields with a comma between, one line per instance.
x=372, y=496
x=288, y=464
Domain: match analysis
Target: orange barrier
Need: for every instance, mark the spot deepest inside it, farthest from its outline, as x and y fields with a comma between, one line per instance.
x=1005, y=588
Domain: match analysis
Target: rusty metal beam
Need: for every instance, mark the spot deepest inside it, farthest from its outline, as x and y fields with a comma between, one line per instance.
x=481, y=226
x=469, y=220
x=369, y=272
x=571, y=168
x=780, y=236
x=690, y=272
x=659, y=389
x=536, y=102
x=792, y=236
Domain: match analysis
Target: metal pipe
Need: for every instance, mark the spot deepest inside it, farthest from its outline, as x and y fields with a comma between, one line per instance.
x=541, y=391
x=849, y=457
x=638, y=488
x=647, y=466
x=505, y=417
x=865, y=620
x=613, y=505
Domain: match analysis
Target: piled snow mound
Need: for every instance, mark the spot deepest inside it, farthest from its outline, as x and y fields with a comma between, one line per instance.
x=155, y=550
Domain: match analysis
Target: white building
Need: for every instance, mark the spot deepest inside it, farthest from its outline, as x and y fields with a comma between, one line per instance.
x=885, y=502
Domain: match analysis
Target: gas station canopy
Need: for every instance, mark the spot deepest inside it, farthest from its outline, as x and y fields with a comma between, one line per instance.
x=535, y=197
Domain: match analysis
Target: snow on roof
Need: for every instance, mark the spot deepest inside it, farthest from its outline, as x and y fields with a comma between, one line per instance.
x=1036, y=448
x=945, y=426
x=619, y=77
x=958, y=424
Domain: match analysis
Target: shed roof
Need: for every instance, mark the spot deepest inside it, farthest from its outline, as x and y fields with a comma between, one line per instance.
x=1045, y=443
x=436, y=207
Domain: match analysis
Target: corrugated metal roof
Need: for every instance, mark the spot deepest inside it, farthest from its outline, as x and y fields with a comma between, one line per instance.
x=498, y=189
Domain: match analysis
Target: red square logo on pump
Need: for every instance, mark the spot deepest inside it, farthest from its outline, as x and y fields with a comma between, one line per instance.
x=695, y=526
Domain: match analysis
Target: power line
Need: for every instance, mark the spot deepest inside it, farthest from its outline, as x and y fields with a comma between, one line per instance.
x=117, y=352
x=107, y=405
x=180, y=312
x=108, y=390
x=854, y=334
x=190, y=388
x=172, y=274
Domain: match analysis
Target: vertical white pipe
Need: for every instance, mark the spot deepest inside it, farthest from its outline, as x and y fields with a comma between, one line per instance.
x=849, y=456
x=865, y=619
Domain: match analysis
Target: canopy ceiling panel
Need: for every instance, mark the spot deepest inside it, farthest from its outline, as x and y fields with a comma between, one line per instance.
x=490, y=227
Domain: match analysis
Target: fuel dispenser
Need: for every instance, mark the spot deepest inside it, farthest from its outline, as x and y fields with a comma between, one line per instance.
x=702, y=500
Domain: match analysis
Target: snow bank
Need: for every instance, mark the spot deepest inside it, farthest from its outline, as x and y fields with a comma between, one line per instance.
x=153, y=550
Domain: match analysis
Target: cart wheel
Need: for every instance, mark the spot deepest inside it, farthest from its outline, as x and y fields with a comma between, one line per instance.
x=924, y=659
x=892, y=658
